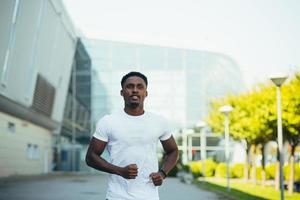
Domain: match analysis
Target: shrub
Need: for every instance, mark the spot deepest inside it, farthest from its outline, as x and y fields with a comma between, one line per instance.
x=258, y=173
x=195, y=168
x=186, y=168
x=238, y=170
x=221, y=171
x=286, y=172
x=270, y=171
x=210, y=167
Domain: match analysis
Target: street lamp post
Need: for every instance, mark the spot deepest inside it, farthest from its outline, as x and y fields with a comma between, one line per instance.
x=226, y=110
x=201, y=125
x=278, y=81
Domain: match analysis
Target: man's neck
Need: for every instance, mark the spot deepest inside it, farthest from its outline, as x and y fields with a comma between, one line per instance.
x=134, y=111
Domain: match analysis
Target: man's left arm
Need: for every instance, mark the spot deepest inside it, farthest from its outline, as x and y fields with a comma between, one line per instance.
x=170, y=160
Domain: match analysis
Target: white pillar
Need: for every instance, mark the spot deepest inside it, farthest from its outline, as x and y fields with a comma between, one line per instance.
x=184, y=149
x=203, y=150
x=190, y=146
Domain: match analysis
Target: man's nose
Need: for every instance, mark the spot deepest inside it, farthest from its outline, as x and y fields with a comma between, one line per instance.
x=135, y=89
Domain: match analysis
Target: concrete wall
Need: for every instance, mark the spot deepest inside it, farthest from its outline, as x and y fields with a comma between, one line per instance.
x=37, y=37
x=24, y=148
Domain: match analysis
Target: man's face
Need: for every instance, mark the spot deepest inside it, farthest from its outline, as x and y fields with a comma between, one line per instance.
x=134, y=91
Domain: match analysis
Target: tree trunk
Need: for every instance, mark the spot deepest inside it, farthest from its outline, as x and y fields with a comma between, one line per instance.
x=292, y=170
x=253, y=162
x=246, y=169
x=277, y=176
x=263, y=171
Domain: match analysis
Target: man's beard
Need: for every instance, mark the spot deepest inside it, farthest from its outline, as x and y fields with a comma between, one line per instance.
x=134, y=105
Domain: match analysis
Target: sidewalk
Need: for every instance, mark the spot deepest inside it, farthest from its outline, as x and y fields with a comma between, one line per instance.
x=54, y=186
x=173, y=189
x=84, y=186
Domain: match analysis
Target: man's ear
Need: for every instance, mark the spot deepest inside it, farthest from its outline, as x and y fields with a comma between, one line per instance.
x=146, y=93
x=121, y=92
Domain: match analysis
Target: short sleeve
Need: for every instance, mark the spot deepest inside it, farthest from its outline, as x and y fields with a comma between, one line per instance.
x=166, y=130
x=102, y=129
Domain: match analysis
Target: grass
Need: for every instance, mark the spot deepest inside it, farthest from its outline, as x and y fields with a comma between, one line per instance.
x=244, y=191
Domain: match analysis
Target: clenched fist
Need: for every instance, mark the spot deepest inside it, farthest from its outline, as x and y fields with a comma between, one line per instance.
x=157, y=178
x=130, y=171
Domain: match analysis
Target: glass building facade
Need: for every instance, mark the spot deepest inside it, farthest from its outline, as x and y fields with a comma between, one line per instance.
x=181, y=81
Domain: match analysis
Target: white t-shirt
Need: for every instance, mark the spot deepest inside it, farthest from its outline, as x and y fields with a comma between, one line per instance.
x=132, y=140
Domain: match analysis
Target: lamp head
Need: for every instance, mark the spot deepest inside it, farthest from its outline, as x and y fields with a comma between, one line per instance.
x=278, y=80
x=226, y=109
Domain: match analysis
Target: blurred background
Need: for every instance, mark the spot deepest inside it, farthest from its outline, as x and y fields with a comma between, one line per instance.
x=62, y=62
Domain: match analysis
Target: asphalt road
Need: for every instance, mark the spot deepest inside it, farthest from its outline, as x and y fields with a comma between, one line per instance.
x=86, y=187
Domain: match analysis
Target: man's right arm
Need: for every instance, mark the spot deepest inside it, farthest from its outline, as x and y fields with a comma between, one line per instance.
x=94, y=160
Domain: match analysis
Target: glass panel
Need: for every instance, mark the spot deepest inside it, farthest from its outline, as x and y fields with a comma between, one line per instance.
x=193, y=59
x=174, y=59
x=151, y=57
x=124, y=56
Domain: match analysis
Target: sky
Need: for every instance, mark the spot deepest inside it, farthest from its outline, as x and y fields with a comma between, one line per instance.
x=262, y=36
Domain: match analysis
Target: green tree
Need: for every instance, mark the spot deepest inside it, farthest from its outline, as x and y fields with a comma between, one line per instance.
x=248, y=121
x=254, y=118
x=291, y=121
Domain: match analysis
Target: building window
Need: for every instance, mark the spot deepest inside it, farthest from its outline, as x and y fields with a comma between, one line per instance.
x=33, y=151
x=36, y=152
x=64, y=155
x=11, y=127
x=29, y=151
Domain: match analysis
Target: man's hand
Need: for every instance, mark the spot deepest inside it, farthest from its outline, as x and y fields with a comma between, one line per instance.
x=157, y=178
x=130, y=171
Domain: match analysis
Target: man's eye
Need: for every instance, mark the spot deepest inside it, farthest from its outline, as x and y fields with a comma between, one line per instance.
x=129, y=86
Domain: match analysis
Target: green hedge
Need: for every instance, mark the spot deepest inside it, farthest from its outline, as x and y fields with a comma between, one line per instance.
x=270, y=171
x=258, y=172
x=186, y=168
x=238, y=170
x=210, y=167
x=286, y=172
x=221, y=171
x=196, y=168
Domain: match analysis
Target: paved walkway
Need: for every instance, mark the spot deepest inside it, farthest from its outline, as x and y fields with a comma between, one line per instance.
x=86, y=187
x=173, y=189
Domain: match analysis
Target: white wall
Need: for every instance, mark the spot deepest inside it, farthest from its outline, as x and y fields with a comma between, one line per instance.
x=42, y=40
x=15, y=156
x=36, y=37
